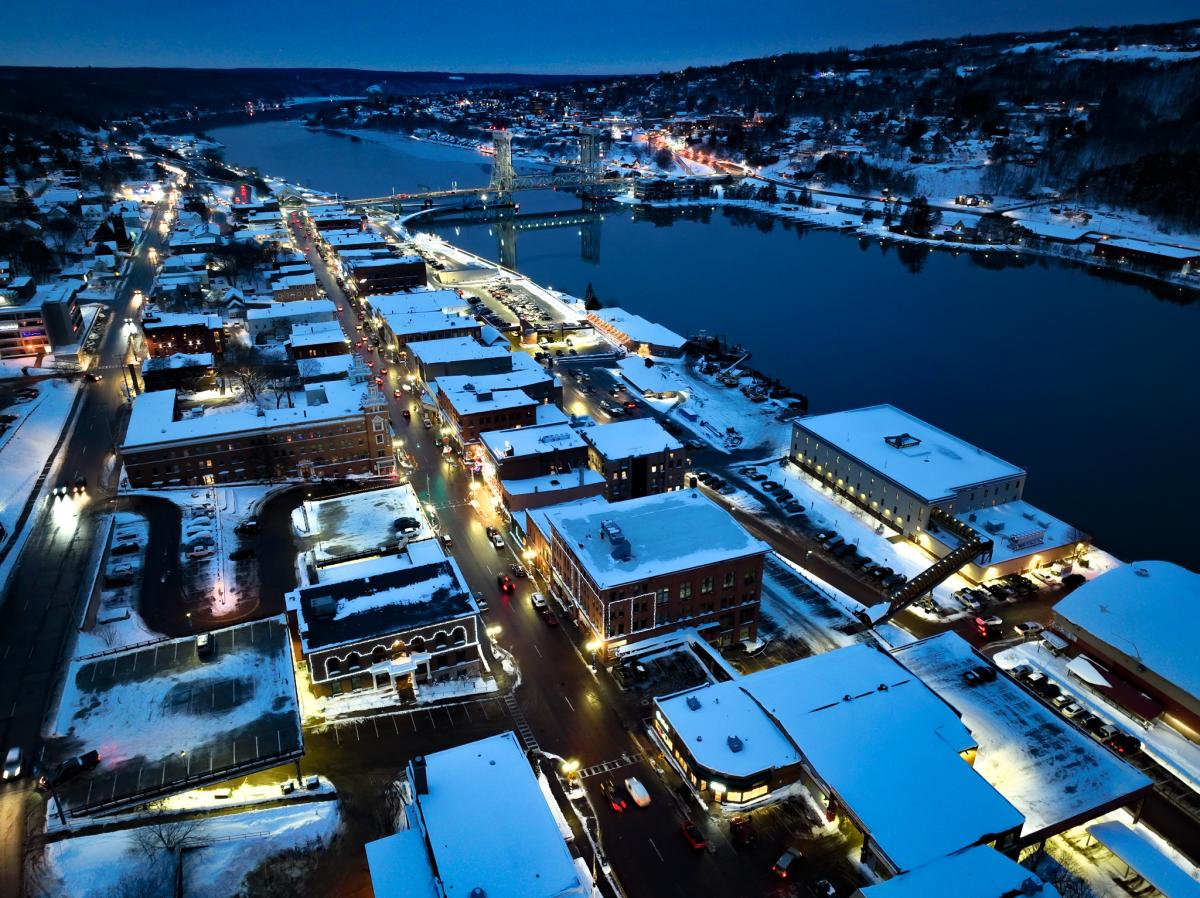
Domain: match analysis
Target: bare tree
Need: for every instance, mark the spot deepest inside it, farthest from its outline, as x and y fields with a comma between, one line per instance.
x=167, y=836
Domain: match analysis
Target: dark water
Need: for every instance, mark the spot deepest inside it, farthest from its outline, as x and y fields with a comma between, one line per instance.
x=1087, y=382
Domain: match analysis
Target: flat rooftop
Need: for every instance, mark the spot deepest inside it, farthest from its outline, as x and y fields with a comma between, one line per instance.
x=523, y=855
x=1147, y=610
x=455, y=349
x=632, y=438
x=858, y=716
x=178, y=361
x=404, y=323
x=360, y=523
x=466, y=400
x=519, y=442
x=669, y=532
x=382, y=602
x=639, y=329
x=934, y=467
x=159, y=714
x=292, y=309
x=979, y=872
x=548, y=483
x=151, y=422
x=445, y=301
x=519, y=378
x=161, y=320
x=1018, y=529
x=1051, y=772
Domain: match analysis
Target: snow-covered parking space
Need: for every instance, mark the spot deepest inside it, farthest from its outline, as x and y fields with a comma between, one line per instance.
x=1165, y=745
x=221, y=852
x=798, y=612
x=1051, y=772
x=117, y=622
x=165, y=719
x=359, y=523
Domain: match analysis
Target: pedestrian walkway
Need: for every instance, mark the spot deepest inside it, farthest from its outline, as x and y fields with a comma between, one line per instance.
x=527, y=738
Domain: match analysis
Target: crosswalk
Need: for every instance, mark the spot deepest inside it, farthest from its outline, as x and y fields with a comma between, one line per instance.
x=625, y=760
x=518, y=717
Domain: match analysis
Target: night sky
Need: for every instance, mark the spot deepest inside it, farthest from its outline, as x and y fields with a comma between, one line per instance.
x=513, y=36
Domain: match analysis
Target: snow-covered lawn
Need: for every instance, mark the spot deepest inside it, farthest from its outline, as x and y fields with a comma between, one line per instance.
x=27, y=443
x=228, y=848
x=1162, y=743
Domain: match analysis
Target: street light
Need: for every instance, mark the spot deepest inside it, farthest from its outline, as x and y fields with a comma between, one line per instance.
x=570, y=767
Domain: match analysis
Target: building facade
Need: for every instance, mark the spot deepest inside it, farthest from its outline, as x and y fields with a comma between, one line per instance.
x=636, y=458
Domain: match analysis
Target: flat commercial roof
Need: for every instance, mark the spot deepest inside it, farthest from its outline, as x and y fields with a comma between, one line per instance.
x=150, y=421
x=1018, y=529
x=400, y=867
x=629, y=439
x=726, y=712
x=979, y=872
x=1051, y=772
x=859, y=717
x=361, y=523
x=934, y=467
x=468, y=402
x=455, y=349
x=445, y=301
x=159, y=320
x=523, y=854
x=520, y=377
x=292, y=309
x=668, y=532
x=518, y=442
x=402, y=324
x=178, y=360
x=382, y=602
x=547, y=483
x=1146, y=610
x=638, y=328
x=1144, y=856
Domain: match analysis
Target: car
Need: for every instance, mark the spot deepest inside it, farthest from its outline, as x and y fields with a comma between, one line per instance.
x=1061, y=701
x=61, y=490
x=206, y=646
x=971, y=678
x=505, y=584
x=741, y=831
x=787, y=863
x=497, y=540
x=383, y=370
x=615, y=801
x=68, y=770
x=630, y=405
x=242, y=554
x=407, y=525
x=1021, y=672
x=691, y=834
x=823, y=535
x=124, y=549
x=986, y=673
x=396, y=395
x=93, y=377
x=1028, y=628
x=426, y=422
x=518, y=570
x=770, y=486
x=1049, y=690
x=407, y=413
x=1035, y=680
x=538, y=600
x=637, y=792
x=969, y=601
x=549, y=617
x=247, y=526
x=13, y=762
x=822, y=888
x=1072, y=710
x=480, y=601
x=447, y=540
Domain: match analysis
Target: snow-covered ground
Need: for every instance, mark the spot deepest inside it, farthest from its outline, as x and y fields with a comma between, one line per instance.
x=26, y=445
x=227, y=849
x=117, y=621
x=209, y=517
x=1162, y=743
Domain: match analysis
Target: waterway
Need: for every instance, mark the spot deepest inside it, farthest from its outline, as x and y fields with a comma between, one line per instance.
x=1086, y=381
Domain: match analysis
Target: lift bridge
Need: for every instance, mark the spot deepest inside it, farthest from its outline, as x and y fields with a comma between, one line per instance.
x=507, y=223
x=587, y=178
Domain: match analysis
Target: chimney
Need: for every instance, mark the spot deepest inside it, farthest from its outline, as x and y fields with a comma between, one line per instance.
x=419, y=775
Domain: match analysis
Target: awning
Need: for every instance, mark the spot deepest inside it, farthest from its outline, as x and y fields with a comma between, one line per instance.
x=1147, y=858
x=1081, y=667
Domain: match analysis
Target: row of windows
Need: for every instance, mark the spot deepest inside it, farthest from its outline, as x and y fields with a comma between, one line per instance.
x=707, y=585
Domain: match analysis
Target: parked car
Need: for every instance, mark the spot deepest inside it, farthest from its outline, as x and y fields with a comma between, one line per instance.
x=549, y=617
x=241, y=554
x=206, y=646
x=496, y=539
x=637, y=792
x=68, y=770
x=248, y=526
x=518, y=570
x=1072, y=710
x=1028, y=628
x=480, y=601
x=787, y=863
x=691, y=834
x=741, y=831
x=1061, y=701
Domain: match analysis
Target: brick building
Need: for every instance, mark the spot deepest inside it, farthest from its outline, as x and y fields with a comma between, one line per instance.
x=333, y=429
x=636, y=458
x=648, y=566
x=168, y=333
x=469, y=410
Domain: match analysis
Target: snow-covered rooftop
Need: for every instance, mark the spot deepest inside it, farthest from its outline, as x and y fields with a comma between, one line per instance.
x=362, y=522
x=1018, y=529
x=470, y=401
x=725, y=712
x=1146, y=610
x=517, y=379
x=632, y=438
x=445, y=301
x=979, y=872
x=178, y=360
x=455, y=349
x=402, y=324
x=668, y=532
x=637, y=328
x=934, y=467
x=522, y=854
x=1181, y=253
x=151, y=420
x=1043, y=764
x=547, y=483
x=160, y=320
x=517, y=442
x=286, y=310
x=301, y=338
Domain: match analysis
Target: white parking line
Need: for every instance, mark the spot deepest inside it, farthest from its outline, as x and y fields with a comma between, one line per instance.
x=569, y=705
x=656, y=851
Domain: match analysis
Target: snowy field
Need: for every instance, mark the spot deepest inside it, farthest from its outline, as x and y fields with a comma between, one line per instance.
x=227, y=848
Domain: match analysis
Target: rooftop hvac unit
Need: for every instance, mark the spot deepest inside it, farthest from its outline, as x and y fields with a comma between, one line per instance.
x=484, y=395
x=902, y=441
x=693, y=703
x=323, y=607
x=735, y=744
x=611, y=530
x=993, y=526
x=1027, y=539
x=621, y=550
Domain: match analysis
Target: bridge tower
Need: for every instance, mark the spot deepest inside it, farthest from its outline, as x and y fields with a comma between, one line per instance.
x=503, y=175
x=589, y=155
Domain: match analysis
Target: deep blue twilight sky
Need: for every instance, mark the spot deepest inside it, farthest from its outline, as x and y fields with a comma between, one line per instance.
x=511, y=35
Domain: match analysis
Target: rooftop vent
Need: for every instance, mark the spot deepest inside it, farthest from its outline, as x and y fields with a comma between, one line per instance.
x=735, y=744
x=902, y=441
x=1141, y=572
x=621, y=550
x=693, y=703
x=323, y=607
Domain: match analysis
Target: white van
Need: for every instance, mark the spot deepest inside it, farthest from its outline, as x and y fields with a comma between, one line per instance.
x=637, y=792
